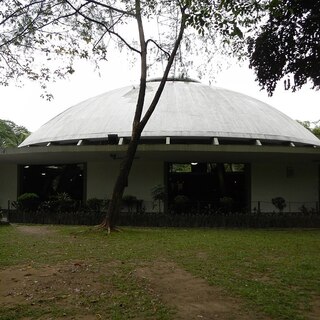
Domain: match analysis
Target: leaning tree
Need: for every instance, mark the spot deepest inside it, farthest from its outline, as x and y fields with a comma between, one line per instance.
x=36, y=36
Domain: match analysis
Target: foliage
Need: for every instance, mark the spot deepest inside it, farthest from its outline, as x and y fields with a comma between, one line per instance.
x=60, y=202
x=312, y=126
x=279, y=203
x=158, y=194
x=180, y=203
x=11, y=135
x=27, y=201
x=42, y=39
x=288, y=45
x=95, y=204
x=226, y=203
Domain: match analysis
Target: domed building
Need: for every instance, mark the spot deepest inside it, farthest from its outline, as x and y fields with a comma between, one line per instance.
x=202, y=142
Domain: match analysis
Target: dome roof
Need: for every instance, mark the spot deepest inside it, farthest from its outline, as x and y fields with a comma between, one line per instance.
x=186, y=109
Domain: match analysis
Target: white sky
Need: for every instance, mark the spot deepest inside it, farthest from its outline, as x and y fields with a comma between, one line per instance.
x=25, y=107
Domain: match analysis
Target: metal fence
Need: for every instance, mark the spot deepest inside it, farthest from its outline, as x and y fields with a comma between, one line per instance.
x=307, y=219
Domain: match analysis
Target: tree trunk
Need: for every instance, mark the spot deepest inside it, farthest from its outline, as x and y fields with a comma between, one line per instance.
x=121, y=183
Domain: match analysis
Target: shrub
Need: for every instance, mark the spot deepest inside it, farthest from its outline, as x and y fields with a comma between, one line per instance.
x=226, y=204
x=28, y=202
x=180, y=203
x=97, y=205
x=158, y=195
x=279, y=203
x=62, y=202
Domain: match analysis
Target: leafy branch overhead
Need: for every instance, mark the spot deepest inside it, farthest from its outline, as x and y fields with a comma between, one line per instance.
x=41, y=39
x=288, y=45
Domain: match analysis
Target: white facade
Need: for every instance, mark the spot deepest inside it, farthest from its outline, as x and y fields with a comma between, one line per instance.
x=297, y=183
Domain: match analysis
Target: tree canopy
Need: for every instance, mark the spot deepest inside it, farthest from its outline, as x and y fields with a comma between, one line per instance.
x=288, y=45
x=11, y=135
x=41, y=39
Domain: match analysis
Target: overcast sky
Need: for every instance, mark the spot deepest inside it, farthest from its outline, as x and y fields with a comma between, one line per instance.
x=25, y=107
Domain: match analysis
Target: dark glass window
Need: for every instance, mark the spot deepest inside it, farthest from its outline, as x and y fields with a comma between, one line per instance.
x=209, y=183
x=50, y=180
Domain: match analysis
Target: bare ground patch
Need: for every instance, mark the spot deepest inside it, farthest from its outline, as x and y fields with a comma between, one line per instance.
x=74, y=284
x=192, y=297
x=79, y=286
x=35, y=230
x=315, y=311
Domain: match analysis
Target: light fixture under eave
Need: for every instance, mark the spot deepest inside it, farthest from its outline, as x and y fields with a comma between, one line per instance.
x=194, y=163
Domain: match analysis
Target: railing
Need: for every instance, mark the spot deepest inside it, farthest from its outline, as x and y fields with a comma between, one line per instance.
x=196, y=214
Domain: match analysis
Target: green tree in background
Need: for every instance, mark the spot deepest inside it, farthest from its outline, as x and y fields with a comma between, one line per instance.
x=11, y=135
x=314, y=127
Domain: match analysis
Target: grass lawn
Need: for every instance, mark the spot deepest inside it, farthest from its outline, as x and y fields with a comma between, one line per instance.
x=52, y=272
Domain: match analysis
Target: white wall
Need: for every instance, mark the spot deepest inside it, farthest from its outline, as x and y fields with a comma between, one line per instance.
x=8, y=184
x=143, y=177
x=297, y=183
x=100, y=179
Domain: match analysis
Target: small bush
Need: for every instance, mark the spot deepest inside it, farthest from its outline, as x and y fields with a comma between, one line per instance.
x=158, y=196
x=226, y=204
x=62, y=202
x=96, y=205
x=279, y=203
x=181, y=203
x=28, y=202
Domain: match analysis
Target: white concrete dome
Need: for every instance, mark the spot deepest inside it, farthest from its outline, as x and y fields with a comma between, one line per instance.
x=187, y=110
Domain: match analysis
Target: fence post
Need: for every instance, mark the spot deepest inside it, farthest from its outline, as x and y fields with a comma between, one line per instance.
x=259, y=208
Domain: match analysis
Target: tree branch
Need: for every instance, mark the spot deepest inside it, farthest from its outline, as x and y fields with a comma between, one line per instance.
x=143, y=71
x=157, y=95
x=127, y=13
x=158, y=46
x=14, y=14
x=24, y=31
x=107, y=28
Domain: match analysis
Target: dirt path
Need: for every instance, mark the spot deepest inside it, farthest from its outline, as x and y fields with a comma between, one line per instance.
x=192, y=297
x=40, y=230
